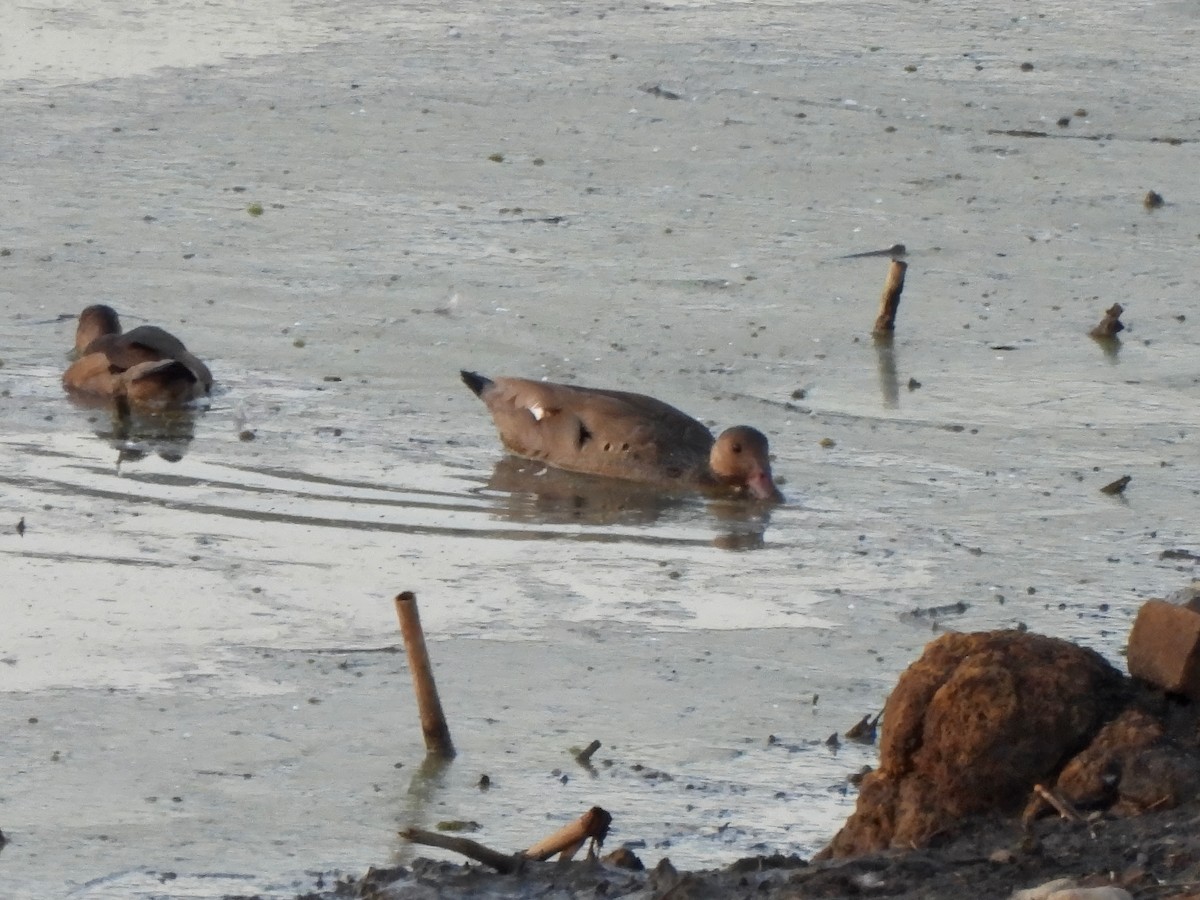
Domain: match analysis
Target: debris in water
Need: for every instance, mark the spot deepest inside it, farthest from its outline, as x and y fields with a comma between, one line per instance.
x=865, y=730
x=584, y=756
x=1117, y=487
x=657, y=90
x=1110, y=325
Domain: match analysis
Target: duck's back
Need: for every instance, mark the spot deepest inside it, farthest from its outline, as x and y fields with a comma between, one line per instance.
x=149, y=343
x=612, y=433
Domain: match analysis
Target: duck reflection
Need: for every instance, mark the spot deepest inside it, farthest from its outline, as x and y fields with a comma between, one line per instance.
x=530, y=491
x=1111, y=346
x=534, y=492
x=745, y=528
x=135, y=434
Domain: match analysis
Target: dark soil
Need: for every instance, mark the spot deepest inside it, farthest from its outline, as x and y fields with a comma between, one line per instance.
x=1154, y=855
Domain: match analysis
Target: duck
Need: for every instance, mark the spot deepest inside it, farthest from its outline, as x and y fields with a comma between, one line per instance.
x=618, y=434
x=146, y=367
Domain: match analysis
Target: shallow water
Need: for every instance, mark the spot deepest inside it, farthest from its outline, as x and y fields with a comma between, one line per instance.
x=198, y=636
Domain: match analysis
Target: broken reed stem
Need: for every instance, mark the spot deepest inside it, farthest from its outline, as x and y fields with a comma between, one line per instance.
x=568, y=839
x=502, y=863
x=889, y=303
x=433, y=720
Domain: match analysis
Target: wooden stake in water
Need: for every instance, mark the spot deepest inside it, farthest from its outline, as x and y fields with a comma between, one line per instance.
x=433, y=720
x=889, y=303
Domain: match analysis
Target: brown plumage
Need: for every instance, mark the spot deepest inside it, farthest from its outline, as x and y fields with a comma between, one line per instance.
x=623, y=435
x=144, y=367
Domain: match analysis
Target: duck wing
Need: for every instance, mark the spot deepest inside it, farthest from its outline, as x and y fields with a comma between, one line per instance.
x=613, y=433
x=163, y=382
x=155, y=340
x=149, y=343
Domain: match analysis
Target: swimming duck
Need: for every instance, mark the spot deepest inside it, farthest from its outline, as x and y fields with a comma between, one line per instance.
x=623, y=435
x=144, y=367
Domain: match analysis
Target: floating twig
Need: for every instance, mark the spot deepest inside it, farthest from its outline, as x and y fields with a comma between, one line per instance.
x=1116, y=488
x=892, y=251
x=433, y=720
x=657, y=90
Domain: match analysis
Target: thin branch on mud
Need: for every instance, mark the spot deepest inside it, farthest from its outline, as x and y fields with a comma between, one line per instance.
x=1059, y=802
x=502, y=862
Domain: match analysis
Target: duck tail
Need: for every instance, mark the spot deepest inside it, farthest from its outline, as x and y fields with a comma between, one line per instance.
x=476, y=382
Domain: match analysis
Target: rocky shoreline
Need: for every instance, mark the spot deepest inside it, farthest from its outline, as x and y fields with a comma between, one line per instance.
x=1011, y=764
x=1153, y=855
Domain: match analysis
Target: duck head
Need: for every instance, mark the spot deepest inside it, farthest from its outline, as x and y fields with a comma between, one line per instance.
x=739, y=458
x=95, y=322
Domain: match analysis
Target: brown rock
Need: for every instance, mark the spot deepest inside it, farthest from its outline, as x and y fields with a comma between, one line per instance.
x=1161, y=779
x=971, y=727
x=1164, y=648
x=1092, y=779
x=624, y=858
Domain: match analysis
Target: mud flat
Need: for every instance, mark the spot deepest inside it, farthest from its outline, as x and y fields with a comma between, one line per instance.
x=1155, y=855
x=198, y=639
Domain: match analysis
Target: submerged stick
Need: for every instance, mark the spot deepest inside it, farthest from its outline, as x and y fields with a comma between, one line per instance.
x=889, y=303
x=433, y=720
x=501, y=862
x=568, y=839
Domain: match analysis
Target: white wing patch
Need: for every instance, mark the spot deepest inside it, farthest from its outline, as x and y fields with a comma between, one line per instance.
x=538, y=411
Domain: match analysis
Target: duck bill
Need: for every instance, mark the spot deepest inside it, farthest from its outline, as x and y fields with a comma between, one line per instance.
x=761, y=486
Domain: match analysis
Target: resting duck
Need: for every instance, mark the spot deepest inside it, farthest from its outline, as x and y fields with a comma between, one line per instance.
x=622, y=435
x=145, y=367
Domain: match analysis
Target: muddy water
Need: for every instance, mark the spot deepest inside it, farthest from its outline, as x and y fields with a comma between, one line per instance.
x=200, y=676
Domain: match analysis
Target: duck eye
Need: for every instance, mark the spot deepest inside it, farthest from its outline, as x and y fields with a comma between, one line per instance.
x=737, y=448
